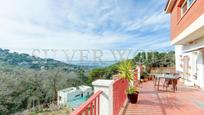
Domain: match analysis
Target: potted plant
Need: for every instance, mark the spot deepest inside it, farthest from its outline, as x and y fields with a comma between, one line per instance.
x=132, y=93
x=125, y=70
x=144, y=76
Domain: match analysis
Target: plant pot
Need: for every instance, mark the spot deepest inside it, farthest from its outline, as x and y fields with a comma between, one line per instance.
x=149, y=78
x=133, y=98
x=146, y=79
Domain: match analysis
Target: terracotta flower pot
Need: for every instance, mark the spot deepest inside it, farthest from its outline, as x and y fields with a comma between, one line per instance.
x=133, y=98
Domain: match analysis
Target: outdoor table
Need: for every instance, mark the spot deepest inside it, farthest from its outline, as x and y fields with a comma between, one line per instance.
x=158, y=77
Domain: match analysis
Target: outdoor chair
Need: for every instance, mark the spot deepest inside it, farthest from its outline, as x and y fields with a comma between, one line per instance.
x=172, y=82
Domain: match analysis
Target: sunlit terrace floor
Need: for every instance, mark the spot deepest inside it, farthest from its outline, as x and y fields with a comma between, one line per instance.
x=186, y=101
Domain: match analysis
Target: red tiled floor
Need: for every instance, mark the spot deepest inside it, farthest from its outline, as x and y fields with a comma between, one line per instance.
x=186, y=101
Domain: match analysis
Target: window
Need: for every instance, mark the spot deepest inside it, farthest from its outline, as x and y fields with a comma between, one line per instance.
x=77, y=95
x=186, y=5
x=190, y=2
x=184, y=8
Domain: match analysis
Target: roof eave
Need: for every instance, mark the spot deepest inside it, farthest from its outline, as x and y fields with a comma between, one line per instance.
x=169, y=6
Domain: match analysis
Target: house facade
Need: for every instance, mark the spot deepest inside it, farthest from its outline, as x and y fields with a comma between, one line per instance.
x=187, y=35
x=73, y=93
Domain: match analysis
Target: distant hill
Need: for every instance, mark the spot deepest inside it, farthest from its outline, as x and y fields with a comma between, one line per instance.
x=32, y=62
x=94, y=64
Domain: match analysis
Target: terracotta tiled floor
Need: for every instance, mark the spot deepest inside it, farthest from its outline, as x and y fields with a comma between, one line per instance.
x=186, y=101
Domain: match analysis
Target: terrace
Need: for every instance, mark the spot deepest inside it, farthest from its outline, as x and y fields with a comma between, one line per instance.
x=186, y=101
x=110, y=99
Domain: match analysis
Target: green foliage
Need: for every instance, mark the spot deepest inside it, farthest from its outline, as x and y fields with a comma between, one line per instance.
x=23, y=87
x=148, y=59
x=132, y=90
x=105, y=73
x=155, y=59
x=125, y=70
x=144, y=75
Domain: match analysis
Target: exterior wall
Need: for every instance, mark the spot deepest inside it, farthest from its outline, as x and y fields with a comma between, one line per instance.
x=178, y=23
x=196, y=66
x=88, y=92
x=200, y=69
x=178, y=54
x=188, y=30
x=139, y=70
x=65, y=96
x=197, y=44
x=185, y=75
x=195, y=78
x=62, y=98
x=72, y=95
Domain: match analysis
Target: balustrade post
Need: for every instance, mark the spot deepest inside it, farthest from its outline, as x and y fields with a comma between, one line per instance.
x=106, y=98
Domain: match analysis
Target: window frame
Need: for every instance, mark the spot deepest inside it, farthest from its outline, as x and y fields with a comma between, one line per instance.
x=188, y=6
x=182, y=7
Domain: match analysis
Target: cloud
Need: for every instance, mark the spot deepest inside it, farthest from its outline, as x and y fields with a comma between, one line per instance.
x=87, y=24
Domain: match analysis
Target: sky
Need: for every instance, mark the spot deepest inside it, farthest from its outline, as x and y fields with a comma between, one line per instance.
x=27, y=25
